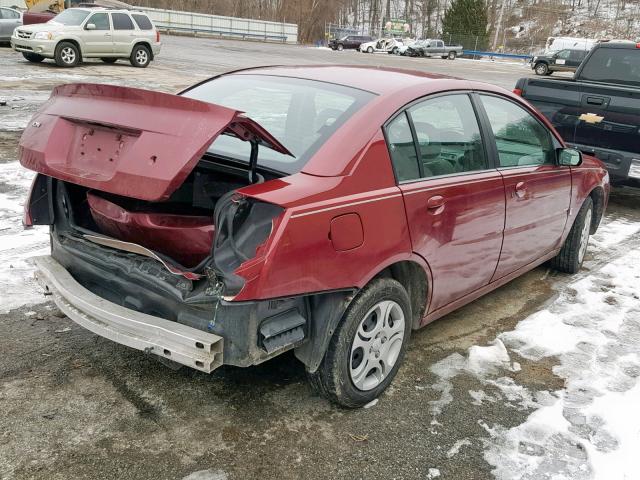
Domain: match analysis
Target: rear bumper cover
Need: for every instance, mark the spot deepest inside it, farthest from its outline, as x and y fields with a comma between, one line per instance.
x=180, y=343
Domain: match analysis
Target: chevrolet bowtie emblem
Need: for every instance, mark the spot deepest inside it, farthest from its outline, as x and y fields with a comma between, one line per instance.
x=591, y=118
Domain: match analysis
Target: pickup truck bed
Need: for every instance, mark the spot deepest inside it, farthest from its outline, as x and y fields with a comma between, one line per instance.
x=597, y=111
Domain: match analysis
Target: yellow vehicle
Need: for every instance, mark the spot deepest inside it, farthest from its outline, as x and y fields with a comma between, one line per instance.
x=54, y=6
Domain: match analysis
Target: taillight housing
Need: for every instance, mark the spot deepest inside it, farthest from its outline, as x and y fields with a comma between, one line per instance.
x=157, y=36
x=517, y=91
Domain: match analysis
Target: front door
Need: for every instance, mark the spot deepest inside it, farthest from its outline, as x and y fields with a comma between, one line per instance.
x=98, y=39
x=538, y=191
x=9, y=20
x=454, y=198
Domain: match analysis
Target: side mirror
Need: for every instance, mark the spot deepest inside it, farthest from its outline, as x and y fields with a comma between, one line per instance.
x=90, y=26
x=569, y=157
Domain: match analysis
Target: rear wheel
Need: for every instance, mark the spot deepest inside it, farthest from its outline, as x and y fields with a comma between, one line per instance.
x=109, y=60
x=33, y=57
x=368, y=346
x=452, y=55
x=571, y=256
x=340, y=47
x=67, y=54
x=140, y=56
x=370, y=50
x=541, y=68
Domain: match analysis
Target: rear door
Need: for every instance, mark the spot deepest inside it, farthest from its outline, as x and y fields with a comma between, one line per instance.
x=453, y=196
x=98, y=41
x=123, y=33
x=538, y=191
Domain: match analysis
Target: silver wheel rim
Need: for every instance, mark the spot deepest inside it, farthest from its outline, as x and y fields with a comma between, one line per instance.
x=68, y=55
x=376, y=345
x=584, y=236
x=540, y=69
x=141, y=57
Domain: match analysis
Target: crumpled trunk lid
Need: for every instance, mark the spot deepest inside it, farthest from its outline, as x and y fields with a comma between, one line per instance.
x=127, y=141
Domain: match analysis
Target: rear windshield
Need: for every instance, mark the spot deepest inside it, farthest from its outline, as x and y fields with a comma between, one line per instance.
x=613, y=65
x=71, y=17
x=300, y=114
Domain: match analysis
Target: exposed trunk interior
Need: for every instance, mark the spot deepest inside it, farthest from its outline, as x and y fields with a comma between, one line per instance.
x=180, y=228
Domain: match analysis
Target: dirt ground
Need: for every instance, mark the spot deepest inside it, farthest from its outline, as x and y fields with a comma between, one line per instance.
x=74, y=405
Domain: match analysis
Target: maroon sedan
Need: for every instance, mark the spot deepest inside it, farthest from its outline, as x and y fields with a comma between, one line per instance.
x=329, y=210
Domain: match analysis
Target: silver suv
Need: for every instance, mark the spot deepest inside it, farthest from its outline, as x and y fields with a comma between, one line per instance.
x=79, y=33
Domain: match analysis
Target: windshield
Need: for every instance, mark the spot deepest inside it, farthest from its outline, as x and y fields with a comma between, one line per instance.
x=300, y=114
x=70, y=17
x=613, y=65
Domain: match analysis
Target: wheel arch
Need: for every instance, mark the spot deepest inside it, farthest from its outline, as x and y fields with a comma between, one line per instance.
x=598, y=198
x=144, y=43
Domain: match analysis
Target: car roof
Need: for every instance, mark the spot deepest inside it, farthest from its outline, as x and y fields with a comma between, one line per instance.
x=378, y=80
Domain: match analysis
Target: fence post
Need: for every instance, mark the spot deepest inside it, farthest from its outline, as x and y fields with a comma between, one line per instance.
x=475, y=49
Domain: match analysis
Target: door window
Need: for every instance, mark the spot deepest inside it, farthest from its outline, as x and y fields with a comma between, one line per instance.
x=100, y=20
x=402, y=149
x=121, y=21
x=143, y=22
x=563, y=54
x=521, y=139
x=448, y=136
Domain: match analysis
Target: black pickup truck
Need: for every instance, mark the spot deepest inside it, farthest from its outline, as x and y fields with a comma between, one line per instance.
x=598, y=110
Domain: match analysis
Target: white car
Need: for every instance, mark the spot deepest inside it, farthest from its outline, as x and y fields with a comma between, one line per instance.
x=382, y=45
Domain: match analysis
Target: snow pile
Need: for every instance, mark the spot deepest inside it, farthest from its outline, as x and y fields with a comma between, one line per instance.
x=591, y=428
x=17, y=246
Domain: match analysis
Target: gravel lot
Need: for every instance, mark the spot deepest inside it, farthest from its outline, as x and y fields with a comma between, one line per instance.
x=77, y=406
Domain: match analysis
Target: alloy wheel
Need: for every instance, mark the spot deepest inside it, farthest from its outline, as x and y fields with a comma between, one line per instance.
x=68, y=55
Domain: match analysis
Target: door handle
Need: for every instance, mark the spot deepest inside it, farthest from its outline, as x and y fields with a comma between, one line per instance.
x=436, y=204
x=520, y=190
x=107, y=34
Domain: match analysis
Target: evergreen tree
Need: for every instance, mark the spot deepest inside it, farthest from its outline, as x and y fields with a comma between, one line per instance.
x=464, y=21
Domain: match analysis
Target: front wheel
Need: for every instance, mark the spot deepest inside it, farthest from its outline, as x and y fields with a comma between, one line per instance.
x=370, y=50
x=541, y=69
x=33, y=57
x=452, y=55
x=140, y=56
x=368, y=346
x=572, y=253
x=340, y=47
x=67, y=54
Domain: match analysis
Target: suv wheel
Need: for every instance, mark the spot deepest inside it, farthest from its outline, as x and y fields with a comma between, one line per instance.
x=541, y=68
x=571, y=256
x=109, y=60
x=140, y=56
x=67, y=54
x=340, y=47
x=33, y=57
x=368, y=346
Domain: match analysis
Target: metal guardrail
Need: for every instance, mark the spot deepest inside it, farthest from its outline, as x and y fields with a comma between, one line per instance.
x=479, y=53
x=232, y=27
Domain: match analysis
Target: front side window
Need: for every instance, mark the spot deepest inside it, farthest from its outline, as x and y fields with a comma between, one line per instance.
x=563, y=54
x=101, y=21
x=7, y=14
x=70, y=17
x=301, y=114
x=448, y=136
x=121, y=21
x=520, y=138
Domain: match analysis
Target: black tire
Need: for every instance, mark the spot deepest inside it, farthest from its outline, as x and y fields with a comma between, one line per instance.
x=340, y=47
x=109, y=60
x=140, y=56
x=333, y=379
x=541, y=68
x=67, y=55
x=571, y=256
x=394, y=51
x=452, y=55
x=33, y=57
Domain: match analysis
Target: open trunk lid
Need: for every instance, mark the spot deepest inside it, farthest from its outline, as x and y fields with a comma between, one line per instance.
x=127, y=141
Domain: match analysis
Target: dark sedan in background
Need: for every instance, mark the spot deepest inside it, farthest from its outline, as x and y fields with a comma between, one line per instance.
x=349, y=42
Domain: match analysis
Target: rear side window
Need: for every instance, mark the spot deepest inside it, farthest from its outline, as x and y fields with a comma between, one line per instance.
x=402, y=149
x=615, y=65
x=521, y=140
x=143, y=22
x=121, y=21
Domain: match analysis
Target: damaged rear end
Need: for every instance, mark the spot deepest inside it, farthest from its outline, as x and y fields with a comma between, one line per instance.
x=153, y=238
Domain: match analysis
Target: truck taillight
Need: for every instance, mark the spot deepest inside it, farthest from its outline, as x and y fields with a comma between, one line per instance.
x=517, y=91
